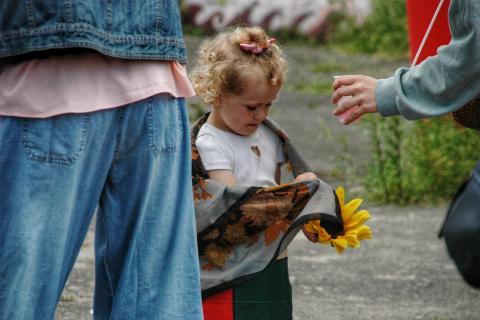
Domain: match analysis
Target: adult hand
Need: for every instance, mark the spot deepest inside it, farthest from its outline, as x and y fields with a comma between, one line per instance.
x=361, y=90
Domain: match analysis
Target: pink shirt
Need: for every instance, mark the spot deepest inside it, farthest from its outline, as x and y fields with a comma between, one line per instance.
x=84, y=83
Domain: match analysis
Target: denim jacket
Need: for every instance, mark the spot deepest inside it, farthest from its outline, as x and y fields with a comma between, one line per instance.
x=132, y=29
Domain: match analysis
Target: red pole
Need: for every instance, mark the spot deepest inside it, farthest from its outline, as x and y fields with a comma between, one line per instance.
x=419, y=14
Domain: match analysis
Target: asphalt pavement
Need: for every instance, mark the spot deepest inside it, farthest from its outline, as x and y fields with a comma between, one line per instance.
x=403, y=273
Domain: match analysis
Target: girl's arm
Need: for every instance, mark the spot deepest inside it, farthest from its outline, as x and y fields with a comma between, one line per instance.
x=224, y=176
x=306, y=176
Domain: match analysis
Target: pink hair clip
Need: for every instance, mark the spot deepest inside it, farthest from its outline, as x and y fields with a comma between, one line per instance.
x=255, y=48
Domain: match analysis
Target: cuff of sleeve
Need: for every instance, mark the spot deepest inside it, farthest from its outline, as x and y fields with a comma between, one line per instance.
x=385, y=95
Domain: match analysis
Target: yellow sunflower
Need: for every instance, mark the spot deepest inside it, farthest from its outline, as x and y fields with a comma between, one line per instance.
x=353, y=225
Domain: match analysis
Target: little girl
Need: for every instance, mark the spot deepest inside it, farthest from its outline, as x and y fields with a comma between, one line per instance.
x=239, y=75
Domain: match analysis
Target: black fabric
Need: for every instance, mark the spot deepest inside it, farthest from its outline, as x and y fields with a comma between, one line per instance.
x=469, y=115
x=461, y=229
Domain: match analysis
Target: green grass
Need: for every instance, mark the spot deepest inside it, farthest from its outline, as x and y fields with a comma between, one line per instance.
x=322, y=86
x=312, y=87
x=384, y=32
x=330, y=67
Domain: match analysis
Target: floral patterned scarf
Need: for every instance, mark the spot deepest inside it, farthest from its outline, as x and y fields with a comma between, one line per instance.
x=241, y=230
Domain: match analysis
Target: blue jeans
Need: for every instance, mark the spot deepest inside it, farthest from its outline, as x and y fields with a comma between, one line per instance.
x=130, y=164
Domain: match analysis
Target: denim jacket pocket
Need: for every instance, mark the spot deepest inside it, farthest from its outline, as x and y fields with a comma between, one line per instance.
x=165, y=123
x=58, y=140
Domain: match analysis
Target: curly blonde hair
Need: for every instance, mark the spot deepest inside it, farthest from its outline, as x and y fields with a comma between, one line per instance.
x=222, y=64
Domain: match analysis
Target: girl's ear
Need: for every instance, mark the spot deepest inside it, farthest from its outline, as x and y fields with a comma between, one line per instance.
x=217, y=103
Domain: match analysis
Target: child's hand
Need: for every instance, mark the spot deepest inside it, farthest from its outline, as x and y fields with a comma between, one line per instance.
x=306, y=176
x=312, y=237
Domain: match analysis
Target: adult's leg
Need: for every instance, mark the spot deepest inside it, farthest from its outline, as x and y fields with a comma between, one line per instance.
x=51, y=175
x=146, y=253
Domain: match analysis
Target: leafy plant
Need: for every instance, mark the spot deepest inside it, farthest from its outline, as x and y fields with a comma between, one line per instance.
x=418, y=162
x=383, y=32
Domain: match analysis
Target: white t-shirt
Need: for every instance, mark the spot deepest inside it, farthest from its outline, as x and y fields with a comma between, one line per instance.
x=252, y=159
